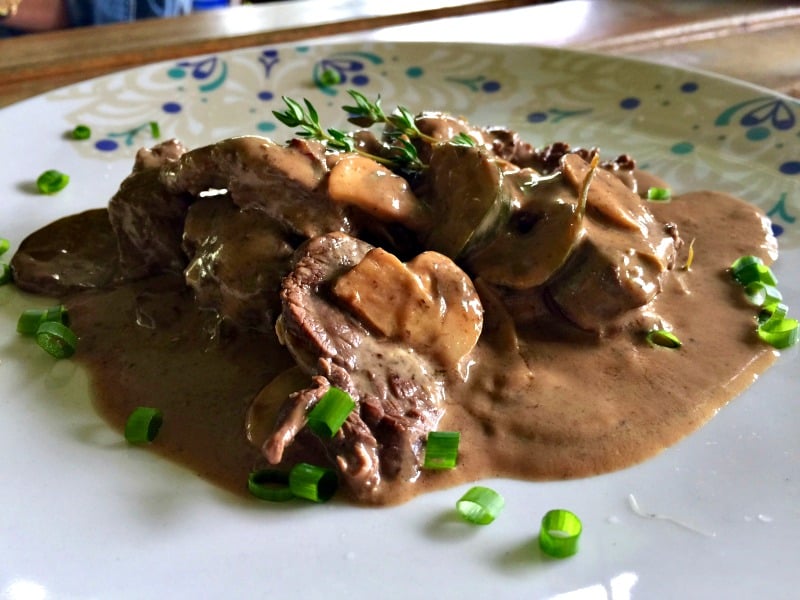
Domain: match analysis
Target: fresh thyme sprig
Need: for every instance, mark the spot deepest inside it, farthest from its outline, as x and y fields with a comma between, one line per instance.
x=366, y=114
x=401, y=131
x=307, y=119
x=402, y=152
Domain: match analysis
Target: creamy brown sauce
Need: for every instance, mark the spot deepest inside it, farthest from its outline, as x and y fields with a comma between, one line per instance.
x=566, y=404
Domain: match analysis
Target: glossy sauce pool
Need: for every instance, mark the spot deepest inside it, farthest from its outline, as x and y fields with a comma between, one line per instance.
x=547, y=407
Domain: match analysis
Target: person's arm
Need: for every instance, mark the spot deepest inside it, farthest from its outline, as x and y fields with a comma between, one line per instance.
x=39, y=15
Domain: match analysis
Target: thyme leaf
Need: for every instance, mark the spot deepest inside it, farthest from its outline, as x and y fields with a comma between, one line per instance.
x=463, y=139
x=364, y=113
x=401, y=131
x=307, y=119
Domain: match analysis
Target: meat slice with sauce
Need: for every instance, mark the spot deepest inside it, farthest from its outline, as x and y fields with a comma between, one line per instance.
x=621, y=262
x=237, y=259
x=387, y=350
x=286, y=183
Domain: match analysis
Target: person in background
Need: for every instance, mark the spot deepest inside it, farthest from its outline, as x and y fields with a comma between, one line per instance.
x=44, y=15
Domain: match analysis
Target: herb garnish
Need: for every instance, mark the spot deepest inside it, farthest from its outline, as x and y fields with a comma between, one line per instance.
x=401, y=131
x=307, y=119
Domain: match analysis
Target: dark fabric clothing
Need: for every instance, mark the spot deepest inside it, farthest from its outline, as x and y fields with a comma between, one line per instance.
x=99, y=12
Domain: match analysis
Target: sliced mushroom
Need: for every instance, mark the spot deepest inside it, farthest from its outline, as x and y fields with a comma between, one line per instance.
x=428, y=303
x=468, y=197
x=538, y=237
x=372, y=188
x=608, y=196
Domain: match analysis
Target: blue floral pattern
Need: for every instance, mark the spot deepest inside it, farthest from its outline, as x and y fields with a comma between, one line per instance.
x=687, y=127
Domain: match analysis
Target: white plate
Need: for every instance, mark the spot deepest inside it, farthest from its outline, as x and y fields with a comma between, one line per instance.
x=82, y=515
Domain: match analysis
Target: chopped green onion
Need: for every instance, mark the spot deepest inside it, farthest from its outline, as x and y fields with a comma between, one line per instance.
x=56, y=313
x=4, y=245
x=332, y=410
x=762, y=294
x=480, y=505
x=751, y=271
x=81, y=132
x=659, y=194
x=759, y=287
x=780, y=333
x=56, y=339
x=143, y=425
x=441, y=449
x=5, y=274
x=52, y=181
x=155, y=130
x=330, y=77
x=744, y=261
x=559, y=534
x=663, y=338
x=317, y=484
x=270, y=484
x=30, y=319
x=772, y=311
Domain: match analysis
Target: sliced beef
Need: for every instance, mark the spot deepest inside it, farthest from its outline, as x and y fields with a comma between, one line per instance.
x=398, y=392
x=159, y=155
x=60, y=258
x=237, y=259
x=148, y=222
x=621, y=260
x=285, y=182
x=147, y=218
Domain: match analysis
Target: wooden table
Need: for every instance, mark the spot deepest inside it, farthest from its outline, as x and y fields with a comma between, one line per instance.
x=754, y=41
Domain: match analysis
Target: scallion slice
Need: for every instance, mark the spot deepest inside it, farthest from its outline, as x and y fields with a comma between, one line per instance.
x=57, y=313
x=762, y=294
x=270, y=484
x=52, y=181
x=332, y=410
x=310, y=482
x=143, y=425
x=4, y=245
x=744, y=261
x=81, y=132
x=480, y=505
x=779, y=332
x=772, y=311
x=750, y=272
x=663, y=338
x=155, y=130
x=56, y=339
x=559, y=534
x=30, y=319
x=441, y=449
x=330, y=77
x=759, y=287
x=659, y=194
x=5, y=274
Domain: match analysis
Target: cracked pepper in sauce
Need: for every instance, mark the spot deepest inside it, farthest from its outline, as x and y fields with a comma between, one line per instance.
x=497, y=296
